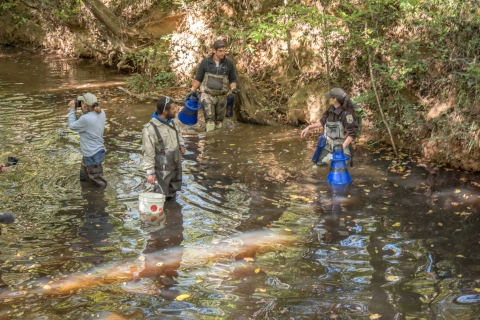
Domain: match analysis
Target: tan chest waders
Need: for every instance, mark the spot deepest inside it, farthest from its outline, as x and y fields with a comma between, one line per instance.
x=215, y=84
x=168, y=166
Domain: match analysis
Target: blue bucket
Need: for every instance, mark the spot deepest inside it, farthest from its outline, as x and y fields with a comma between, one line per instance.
x=322, y=142
x=338, y=168
x=188, y=115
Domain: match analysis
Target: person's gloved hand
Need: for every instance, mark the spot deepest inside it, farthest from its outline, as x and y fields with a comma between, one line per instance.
x=235, y=90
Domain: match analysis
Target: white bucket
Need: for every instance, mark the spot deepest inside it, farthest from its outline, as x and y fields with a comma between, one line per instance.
x=150, y=207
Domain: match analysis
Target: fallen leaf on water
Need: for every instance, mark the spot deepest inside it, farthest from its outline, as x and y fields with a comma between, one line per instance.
x=395, y=185
x=366, y=190
x=460, y=256
x=182, y=297
x=476, y=289
x=392, y=278
x=375, y=316
x=286, y=229
x=397, y=224
x=257, y=270
x=430, y=211
x=333, y=248
x=248, y=259
x=440, y=224
x=457, y=191
x=361, y=185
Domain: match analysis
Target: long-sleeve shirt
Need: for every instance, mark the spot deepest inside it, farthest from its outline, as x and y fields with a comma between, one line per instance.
x=335, y=114
x=91, y=127
x=225, y=67
x=150, y=141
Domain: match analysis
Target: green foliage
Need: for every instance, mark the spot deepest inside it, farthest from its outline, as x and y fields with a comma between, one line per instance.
x=9, y=8
x=65, y=10
x=153, y=65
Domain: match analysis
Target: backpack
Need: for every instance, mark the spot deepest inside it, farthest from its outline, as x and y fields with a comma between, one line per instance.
x=358, y=114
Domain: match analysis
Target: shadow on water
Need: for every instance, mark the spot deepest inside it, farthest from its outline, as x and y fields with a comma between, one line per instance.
x=255, y=232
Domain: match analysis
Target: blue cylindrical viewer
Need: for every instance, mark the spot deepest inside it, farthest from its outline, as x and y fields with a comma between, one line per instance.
x=339, y=174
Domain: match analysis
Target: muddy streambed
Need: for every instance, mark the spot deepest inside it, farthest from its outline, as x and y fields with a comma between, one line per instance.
x=255, y=232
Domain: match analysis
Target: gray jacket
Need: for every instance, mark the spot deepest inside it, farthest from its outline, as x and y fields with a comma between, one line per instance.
x=150, y=141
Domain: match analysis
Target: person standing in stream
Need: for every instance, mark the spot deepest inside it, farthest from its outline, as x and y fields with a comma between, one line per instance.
x=217, y=78
x=162, y=146
x=339, y=123
x=91, y=126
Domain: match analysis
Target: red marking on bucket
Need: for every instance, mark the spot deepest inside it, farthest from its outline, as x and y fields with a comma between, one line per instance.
x=161, y=209
x=153, y=208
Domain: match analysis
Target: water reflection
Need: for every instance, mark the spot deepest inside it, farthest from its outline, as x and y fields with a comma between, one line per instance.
x=163, y=251
x=92, y=243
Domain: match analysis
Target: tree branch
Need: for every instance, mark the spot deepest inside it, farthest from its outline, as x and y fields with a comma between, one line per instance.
x=378, y=99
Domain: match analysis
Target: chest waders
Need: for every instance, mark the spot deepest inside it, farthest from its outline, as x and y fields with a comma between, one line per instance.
x=168, y=166
x=94, y=174
x=335, y=132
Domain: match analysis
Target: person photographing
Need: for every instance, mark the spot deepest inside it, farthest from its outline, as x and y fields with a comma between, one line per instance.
x=90, y=126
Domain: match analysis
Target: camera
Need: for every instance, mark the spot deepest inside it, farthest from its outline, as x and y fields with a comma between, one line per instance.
x=78, y=104
x=11, y=161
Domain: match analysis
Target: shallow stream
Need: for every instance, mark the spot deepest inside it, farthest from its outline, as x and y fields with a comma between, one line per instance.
x=255, y=233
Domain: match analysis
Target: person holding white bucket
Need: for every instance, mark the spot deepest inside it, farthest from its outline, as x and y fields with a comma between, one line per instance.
x=162, y=146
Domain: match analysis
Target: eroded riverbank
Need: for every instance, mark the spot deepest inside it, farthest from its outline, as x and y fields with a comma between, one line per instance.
x=255, y=233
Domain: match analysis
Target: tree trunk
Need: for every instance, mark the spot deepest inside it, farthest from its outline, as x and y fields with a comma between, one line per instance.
x=251, y=106
x=105, y=15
